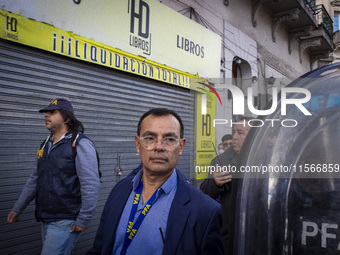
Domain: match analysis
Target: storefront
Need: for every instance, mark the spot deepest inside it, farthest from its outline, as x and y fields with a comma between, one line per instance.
x=113, y=67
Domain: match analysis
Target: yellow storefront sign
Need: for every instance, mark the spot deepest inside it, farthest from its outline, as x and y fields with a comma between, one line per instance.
x=46, y=37
x=205, y=138
x=145, y=28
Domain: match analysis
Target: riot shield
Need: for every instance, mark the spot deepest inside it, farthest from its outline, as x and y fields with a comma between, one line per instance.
x=289, y=200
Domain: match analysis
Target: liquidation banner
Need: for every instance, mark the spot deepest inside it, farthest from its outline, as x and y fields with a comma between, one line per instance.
x=29, y=32
x=145, y=28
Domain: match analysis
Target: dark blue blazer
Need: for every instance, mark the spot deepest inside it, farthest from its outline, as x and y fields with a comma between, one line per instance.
x=194, y=222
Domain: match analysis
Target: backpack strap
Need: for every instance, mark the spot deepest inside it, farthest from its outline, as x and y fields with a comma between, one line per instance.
x=74, y=139
x=41, y=151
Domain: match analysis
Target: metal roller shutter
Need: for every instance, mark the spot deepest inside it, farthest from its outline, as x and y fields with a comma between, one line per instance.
x=108, y=102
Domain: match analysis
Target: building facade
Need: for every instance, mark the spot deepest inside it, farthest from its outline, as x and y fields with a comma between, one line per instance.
x=264, y=43
x=336, y=7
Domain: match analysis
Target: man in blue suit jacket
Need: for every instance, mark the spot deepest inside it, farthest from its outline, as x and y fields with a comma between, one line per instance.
x=155, y=210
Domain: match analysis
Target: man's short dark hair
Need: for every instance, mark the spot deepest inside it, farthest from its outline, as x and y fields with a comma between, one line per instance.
x=227, y=137
x=160, y=112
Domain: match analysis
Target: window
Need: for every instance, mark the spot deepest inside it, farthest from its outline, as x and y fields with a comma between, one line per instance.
x=336, y=21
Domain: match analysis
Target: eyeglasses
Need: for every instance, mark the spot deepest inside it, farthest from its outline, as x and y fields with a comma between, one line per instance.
x=227, y=144
x=168, y=143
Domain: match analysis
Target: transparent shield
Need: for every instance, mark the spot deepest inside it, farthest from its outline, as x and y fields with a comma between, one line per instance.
x=291, y=205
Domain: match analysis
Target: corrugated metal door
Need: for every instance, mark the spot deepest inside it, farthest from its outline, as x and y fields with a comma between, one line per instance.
x=108, y=102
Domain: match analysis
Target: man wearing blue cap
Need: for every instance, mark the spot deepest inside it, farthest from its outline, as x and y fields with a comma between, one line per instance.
x=64, y=183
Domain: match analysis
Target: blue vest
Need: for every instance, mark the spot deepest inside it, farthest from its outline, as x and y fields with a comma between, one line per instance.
x=58, y=190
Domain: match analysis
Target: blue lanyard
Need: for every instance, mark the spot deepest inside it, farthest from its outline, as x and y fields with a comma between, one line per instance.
x=131, y=228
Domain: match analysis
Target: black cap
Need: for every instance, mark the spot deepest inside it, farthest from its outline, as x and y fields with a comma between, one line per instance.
x=59, y=103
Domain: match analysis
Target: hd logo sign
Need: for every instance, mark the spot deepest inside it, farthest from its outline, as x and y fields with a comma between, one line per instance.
x=140, y=36
x=11, y=28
